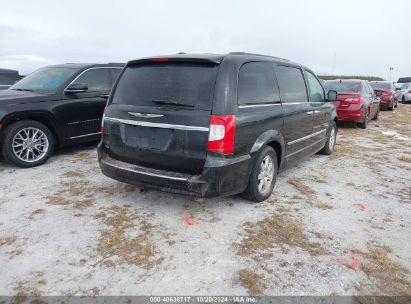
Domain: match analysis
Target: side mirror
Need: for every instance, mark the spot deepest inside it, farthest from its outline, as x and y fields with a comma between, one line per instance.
x=77, y=88
x=332, y=95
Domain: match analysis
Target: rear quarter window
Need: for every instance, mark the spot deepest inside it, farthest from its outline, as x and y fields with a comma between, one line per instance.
x=257, y=84
x=180, y=82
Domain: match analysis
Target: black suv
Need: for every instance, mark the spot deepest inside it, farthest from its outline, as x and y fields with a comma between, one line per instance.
x=61, y=104
x=213, y=125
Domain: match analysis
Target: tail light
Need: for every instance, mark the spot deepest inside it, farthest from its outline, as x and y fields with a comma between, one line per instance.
x=409, y=91
x=222, y=133
x=354, y=100
x=102, y=123
x=386, y=93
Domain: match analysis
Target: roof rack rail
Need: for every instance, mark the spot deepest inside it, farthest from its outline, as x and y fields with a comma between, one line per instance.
x=245, y=53
x=181, y=53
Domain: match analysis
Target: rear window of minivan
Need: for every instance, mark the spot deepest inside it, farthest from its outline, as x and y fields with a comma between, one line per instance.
x=172, y=82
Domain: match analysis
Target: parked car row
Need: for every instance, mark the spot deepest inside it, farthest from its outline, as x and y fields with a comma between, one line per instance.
x=359, y=101
x=200, y=124
x=206, y=125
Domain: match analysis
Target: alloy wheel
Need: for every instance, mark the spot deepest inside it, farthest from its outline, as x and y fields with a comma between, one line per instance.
x=266, y=175
x=30, y=144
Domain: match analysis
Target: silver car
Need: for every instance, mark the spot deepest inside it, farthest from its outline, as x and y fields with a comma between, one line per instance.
x=405, y=95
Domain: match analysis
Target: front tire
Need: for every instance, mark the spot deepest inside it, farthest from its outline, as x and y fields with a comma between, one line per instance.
x=27, y=144
x=331, y=139
x=263, y=176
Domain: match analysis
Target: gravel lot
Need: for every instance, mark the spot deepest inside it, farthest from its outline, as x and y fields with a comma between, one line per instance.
x=337, y=225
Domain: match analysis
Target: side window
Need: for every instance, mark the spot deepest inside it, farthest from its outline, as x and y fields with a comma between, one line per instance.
x=370, y=89
x=316, y=90
x=404, y=86
x=96, y=79
x=365, y=88
x=114, y=75
x=292, y=84
x=257, y=84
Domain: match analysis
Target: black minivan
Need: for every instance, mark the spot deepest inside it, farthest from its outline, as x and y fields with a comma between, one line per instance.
x=213, y=125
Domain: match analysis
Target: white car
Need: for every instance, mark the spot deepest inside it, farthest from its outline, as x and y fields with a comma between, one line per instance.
x=405, y=95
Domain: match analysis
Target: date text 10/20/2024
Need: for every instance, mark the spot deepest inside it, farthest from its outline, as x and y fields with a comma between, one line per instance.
x=206, y=299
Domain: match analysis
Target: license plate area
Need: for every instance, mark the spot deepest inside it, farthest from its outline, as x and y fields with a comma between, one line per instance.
x=146, y=138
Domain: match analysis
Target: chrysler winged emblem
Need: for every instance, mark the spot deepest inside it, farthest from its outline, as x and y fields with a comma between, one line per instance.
x=145, y=115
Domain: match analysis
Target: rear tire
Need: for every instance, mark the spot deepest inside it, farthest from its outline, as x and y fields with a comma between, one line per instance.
x=263, y=176
x=391, y=108
x=331, y=139
x=364, y=124
x=27, y=144
x=376, y=115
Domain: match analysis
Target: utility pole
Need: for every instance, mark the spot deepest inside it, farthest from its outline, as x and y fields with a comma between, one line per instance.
x=391, y=69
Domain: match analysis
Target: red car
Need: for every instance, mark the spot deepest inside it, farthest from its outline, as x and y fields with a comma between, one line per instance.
x=356, y=101
x=386, y=91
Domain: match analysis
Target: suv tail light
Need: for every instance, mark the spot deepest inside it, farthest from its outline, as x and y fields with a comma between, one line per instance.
x=222, y=133
x=102, y=123
x=409, y=91
x=354, y=100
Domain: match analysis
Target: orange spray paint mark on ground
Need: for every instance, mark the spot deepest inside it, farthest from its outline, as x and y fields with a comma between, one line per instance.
x=355, y=261
x=360, y=206
x=187, y=220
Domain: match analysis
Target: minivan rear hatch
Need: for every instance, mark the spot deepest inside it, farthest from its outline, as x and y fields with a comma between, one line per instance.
x=159, y=113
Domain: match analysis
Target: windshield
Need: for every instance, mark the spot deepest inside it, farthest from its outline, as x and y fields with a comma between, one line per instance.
x=344, y=87
x=381, y=85
x=167, y=84
x=45, y=79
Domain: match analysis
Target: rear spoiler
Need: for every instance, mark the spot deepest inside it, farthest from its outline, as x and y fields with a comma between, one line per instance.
x=214, y=60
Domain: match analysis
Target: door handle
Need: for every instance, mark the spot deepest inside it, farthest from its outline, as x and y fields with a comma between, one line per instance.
x=310, y=112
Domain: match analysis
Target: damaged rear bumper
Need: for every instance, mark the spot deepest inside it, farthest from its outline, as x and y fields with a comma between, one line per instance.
x=220, y=177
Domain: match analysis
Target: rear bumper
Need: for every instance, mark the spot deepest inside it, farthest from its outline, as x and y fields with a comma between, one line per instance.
x=220, y=177
x=356, y=116
x=389, y=102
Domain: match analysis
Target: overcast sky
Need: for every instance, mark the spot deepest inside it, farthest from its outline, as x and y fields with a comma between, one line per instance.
x=360, y=37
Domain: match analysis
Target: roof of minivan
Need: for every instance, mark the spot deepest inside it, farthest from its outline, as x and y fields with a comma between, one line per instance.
x=215, y=58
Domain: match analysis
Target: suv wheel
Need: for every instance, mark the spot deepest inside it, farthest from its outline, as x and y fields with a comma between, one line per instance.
x=263, y=176
x=331, y=139
x=27, y=144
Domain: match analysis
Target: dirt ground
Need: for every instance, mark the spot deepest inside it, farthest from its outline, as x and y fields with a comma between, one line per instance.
x=337, y=225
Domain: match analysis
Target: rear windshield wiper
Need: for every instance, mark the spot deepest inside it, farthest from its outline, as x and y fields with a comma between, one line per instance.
x=170, y=102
